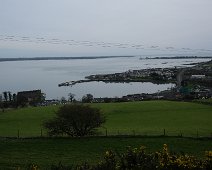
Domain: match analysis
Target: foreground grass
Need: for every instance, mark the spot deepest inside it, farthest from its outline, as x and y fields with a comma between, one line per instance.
x=46, y=151
x=142, y=118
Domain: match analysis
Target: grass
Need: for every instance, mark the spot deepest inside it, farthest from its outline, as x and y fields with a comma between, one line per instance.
x=149, y=117
x=152, y=117
x=27, y=120
x=142, y=118
x=45, y=152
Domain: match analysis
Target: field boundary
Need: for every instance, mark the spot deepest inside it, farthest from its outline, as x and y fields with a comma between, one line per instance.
x=104, y=132
x=110, y=136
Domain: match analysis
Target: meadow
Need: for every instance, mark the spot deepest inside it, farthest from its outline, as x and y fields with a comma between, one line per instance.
x=48, y=151
x=143, y=121
x=133, y=118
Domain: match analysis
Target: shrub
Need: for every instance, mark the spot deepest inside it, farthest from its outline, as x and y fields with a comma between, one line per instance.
x=75, y=120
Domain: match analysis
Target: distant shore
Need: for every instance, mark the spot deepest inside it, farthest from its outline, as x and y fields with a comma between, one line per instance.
x=59, y=58
x=99, y=57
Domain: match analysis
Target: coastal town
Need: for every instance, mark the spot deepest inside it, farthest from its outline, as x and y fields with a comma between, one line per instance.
x=192, y=82
x=157, y=75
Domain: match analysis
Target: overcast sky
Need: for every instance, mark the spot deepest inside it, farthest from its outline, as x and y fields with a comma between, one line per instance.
x=36, y=28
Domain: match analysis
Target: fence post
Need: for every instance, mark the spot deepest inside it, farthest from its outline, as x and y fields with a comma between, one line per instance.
x=164, y=132
x=18, y=133
x=41, y=133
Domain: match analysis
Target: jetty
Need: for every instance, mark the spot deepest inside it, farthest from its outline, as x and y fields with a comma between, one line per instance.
x=71, y=83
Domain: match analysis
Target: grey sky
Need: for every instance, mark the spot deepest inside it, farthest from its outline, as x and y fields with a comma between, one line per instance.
x=180, y=24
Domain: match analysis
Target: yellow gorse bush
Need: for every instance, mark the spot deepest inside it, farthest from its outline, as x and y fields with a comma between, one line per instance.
x=208, y=154
x=29, y=167
x=138, y=158
x=168, y=160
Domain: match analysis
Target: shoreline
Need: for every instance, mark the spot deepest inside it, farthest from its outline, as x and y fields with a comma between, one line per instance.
x=153, y=75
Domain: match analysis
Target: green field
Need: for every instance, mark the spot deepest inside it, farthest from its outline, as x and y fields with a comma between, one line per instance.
x=139, y=118
x=44, y=152
x=133, y=118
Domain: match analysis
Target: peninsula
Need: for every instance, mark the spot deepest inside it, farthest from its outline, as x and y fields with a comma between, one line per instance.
x=201, y=73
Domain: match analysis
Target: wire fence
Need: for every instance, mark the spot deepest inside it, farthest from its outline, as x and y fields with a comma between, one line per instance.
x=162, y=132
x=19, y=133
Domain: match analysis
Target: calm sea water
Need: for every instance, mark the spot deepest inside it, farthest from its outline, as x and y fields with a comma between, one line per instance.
x=46, y=75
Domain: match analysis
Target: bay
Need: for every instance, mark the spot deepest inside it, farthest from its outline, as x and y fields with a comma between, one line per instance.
x=47, y=74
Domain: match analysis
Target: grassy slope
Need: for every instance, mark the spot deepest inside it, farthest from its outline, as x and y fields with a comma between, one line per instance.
x=149, y=117
x=44, y=152
x=27, y=120
x=154, y=116
x=140, y=116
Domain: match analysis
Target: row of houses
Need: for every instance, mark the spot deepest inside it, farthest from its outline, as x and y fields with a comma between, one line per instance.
x=159, y=73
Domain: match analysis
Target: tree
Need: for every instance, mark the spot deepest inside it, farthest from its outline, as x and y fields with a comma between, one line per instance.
x=63, y=100
x=1, y=103
x=71, y=96
x=88, y=98
x=9, y=96
x=75, y=120
x=14, y=100
x=5, y=95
